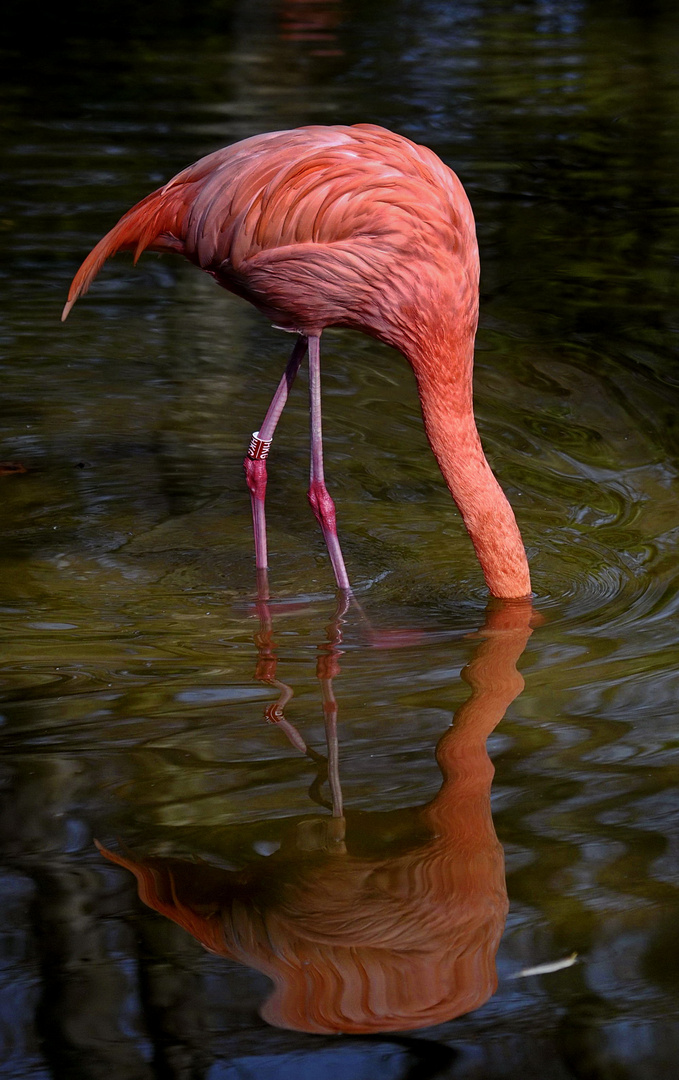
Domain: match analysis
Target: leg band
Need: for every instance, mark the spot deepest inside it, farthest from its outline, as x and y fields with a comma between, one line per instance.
x=259, y=448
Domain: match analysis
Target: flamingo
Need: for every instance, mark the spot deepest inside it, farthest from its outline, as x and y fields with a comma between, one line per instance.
x=351, y=226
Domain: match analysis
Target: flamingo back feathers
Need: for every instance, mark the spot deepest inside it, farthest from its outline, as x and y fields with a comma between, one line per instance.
x=314, y=185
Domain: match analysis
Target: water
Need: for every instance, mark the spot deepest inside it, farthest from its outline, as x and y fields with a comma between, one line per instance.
x=136, y=668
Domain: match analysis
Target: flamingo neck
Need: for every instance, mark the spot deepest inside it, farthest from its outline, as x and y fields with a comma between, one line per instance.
x=443, y=368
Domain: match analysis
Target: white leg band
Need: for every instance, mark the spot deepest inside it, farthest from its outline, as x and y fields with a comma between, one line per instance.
x=259, y=448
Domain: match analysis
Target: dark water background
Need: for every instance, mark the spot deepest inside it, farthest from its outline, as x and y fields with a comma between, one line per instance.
x=129, y=704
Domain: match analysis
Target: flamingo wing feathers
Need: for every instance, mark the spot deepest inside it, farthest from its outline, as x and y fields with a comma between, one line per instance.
x=308, y=186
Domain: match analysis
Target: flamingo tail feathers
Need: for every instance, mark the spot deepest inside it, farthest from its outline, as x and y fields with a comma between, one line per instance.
x=152, y=223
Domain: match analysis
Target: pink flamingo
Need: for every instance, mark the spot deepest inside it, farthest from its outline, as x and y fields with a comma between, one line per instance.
x=343, y=226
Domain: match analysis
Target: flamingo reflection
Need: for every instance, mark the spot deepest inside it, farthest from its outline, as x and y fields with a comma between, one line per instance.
x=356, y=939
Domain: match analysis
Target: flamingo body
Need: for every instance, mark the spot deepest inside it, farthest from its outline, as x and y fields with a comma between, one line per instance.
x=355, y=227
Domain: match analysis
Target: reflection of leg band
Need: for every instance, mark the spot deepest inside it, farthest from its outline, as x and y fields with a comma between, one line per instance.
x=259, y=448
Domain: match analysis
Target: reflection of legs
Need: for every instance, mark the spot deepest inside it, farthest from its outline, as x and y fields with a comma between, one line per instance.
x=332, y=838
x=255, y=462
x=326, y=669
x=267, y=662
x=321, y=503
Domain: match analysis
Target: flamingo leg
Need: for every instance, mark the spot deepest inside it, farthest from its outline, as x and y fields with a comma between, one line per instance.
x=321, y=503
x=255, y=461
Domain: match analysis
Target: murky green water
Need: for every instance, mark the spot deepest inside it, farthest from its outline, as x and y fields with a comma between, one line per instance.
x=136, y=669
